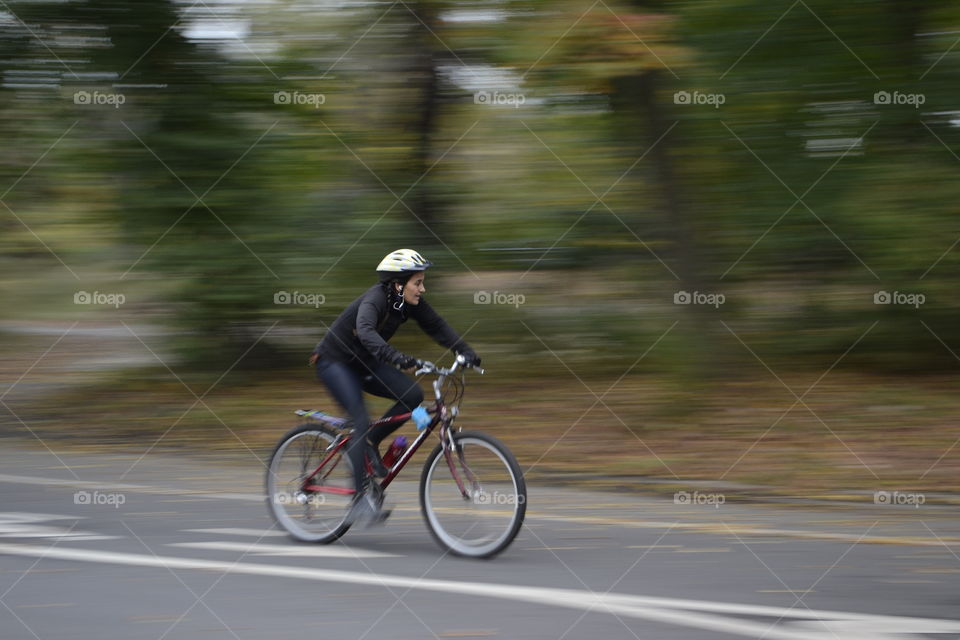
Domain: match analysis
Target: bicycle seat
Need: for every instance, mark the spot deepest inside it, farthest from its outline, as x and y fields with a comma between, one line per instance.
x=317, y=414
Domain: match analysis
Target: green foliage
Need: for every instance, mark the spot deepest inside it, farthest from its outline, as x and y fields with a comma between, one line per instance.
x=599, y=197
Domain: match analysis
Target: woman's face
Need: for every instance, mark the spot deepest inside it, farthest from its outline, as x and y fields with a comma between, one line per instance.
x=413, y=289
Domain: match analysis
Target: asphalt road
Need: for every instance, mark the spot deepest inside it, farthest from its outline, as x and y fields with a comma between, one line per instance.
x=176, y=547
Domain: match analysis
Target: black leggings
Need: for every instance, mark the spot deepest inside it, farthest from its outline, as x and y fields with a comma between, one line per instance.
x=347, y=384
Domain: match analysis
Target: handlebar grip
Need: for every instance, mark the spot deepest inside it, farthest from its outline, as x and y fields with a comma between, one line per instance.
x=462, y=360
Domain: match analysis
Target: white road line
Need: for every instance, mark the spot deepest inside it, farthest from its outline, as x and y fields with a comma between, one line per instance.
x=69, y=482
x=260, y=549
x=15, y=524
x=116, y=486
x=714, y=616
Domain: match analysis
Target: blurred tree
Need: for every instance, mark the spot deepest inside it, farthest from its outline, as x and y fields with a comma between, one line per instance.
x=816, y=154
x=799, y=196
x=180, y=153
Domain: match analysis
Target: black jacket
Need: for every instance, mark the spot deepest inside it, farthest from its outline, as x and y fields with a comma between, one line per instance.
x=360, y=334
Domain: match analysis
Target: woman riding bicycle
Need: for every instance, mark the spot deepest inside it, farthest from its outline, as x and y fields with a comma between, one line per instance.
x=354, y=356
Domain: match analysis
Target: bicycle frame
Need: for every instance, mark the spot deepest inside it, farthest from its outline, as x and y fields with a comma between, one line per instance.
x=442, y=416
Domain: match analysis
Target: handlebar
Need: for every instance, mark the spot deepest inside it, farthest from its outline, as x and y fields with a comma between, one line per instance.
x=424, y=366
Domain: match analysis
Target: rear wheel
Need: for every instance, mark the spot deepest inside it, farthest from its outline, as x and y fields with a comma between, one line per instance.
x=485, y=521
x=314, y=511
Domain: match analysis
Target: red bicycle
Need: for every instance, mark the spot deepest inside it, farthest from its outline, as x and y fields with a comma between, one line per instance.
x=472, y=494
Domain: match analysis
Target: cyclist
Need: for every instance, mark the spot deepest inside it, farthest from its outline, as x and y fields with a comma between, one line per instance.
x=355, y=356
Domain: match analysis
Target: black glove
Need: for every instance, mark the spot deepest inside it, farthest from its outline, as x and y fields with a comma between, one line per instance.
x=472, y=358
x=406, y=362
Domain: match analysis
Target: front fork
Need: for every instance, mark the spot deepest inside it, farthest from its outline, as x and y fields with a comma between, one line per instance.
x=449, y=447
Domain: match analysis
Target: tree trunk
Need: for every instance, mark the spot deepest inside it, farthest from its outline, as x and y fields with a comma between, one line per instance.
x=422, y=200
x=643, y=121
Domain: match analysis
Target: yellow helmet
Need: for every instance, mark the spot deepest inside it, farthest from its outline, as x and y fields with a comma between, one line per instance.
x=401, y=262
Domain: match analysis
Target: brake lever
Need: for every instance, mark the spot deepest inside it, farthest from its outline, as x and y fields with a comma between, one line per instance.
x=425, y=367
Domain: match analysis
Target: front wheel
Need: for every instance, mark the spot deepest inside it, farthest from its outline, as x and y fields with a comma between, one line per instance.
x=482, y=520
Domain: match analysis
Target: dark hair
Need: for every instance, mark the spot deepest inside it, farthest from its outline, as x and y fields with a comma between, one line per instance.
x=388, y=277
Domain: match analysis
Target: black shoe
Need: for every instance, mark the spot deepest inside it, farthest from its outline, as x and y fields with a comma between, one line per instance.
x=380, y=518
x=376, y=462
x=366, y=510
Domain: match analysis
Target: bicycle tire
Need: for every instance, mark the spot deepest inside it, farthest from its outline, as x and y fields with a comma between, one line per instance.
x=282, y=508
x=435, y=468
